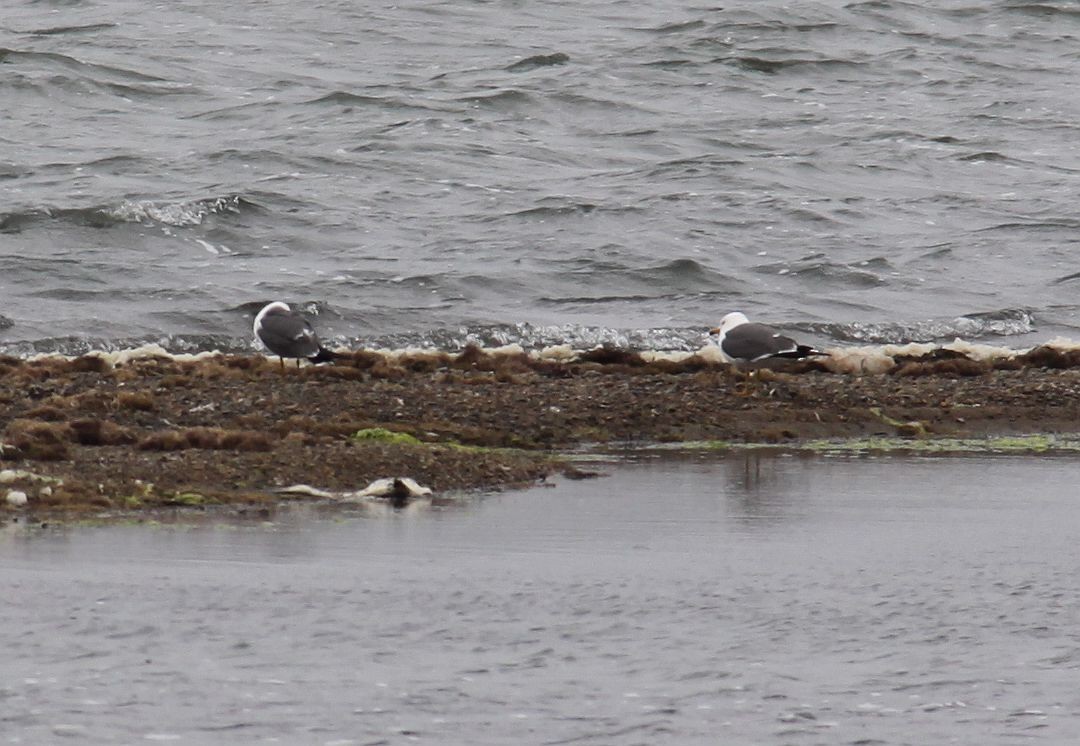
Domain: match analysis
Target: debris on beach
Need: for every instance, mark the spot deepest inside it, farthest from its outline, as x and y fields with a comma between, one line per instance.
x=395, y=488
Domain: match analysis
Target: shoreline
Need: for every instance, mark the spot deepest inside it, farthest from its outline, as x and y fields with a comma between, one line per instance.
x=141, y=432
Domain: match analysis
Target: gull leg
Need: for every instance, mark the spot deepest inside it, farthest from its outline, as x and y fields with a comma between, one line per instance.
x=746, y=384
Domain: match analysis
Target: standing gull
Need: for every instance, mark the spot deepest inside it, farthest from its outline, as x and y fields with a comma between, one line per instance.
x=286, y=333
x=743, y=342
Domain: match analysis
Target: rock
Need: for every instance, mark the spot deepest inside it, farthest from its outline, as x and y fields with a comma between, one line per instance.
x=17, y=498
x=394, y=487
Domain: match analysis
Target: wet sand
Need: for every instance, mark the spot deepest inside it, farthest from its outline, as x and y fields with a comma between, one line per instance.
x=151, y=431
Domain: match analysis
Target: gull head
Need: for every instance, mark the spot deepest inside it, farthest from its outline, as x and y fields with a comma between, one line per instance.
x=729, y=322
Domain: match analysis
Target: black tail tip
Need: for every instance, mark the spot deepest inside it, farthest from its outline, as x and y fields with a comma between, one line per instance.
x=323, y=356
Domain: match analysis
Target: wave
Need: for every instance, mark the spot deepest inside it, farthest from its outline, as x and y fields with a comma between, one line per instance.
x=971, y=328
x=58, y=30
x=1071, y=277
x=821, y=271
x=69, y=73
x=62, y=61
x=1003, y=323
x=500, y=100
x=689, y=168
x=1028, y=226
x=341, y=327
x=538, y=61
x=528, y=336
x=13, y=171
x=774, y=66
x=985, y=156
x=176, y=214
x=1045, y=10
x=677, y=27
x=539, y=336
x=563, y=208
x=349, y=99
x=591, y=283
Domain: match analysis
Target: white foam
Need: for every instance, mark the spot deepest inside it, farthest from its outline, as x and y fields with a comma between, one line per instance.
x=119, y=358
x=400, y=352
x=556, y=353
x=1063, y=345
x=210, y=248
x=177, y=214
x=982, y=352
x=867, y=360
x=909, y=349
x=510, y=349
x=668, y=356
x=711, y=353
x=851, y=360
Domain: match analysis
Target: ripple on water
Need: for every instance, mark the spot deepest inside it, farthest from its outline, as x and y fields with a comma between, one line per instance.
x=827, y=600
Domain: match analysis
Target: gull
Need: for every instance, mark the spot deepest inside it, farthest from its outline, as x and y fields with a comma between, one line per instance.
x=741, y=341
x=286, y=333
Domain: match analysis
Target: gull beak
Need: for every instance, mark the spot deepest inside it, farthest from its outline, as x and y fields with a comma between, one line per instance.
x=714, y=332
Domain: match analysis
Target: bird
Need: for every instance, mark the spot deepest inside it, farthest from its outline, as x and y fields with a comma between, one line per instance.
x=741, y=341
x=286, y=333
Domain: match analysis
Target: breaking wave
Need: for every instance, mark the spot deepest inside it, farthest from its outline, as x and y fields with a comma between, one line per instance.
x=1005, y=323
x=972, y=328
x=176, y=214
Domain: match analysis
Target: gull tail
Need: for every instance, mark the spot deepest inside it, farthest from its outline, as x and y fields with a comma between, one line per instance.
x=801, y=352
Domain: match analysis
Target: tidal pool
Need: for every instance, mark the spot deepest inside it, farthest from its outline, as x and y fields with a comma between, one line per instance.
x=744, y=598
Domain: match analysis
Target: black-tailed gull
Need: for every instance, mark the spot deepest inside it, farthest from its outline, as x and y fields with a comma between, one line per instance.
x=741, y=341
x=286, y=333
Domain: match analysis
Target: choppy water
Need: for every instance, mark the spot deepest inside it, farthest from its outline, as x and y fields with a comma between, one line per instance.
x=549, y=171
x=751, y=600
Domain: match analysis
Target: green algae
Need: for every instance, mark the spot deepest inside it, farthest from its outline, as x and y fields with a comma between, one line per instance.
x=1020, y=444
x=393, y=437
x=909, y=428
x=498, y=450
x=188, y=498
x=382, y=435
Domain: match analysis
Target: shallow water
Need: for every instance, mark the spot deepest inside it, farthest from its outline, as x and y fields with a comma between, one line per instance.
x=750, y=599
x=545, y=172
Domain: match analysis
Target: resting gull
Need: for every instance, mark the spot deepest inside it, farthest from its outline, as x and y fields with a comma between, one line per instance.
x=741, y=341
x=286, y=333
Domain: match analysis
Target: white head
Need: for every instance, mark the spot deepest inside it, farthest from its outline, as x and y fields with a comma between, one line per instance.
x=275, y=307
x=729, y=322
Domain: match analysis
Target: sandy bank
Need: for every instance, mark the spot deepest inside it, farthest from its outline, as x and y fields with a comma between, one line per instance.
x=130, y=431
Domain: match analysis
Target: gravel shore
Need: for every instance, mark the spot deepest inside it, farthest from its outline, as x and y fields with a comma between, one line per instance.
x=91, y=434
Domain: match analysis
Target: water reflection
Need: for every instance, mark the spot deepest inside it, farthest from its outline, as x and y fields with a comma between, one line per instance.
x=758, y=487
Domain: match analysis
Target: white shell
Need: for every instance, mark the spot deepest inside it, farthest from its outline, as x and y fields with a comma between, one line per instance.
x=304, y=489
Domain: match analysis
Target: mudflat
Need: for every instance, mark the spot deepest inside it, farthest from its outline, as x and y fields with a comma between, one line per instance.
x=94, y=434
